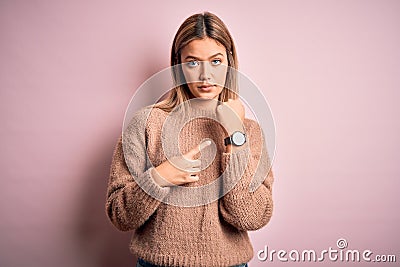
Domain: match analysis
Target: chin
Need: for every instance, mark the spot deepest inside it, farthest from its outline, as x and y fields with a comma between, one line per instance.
x=207, y=96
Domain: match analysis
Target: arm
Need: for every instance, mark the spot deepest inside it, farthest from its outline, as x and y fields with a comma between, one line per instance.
x=128, y=206
x=242, y=207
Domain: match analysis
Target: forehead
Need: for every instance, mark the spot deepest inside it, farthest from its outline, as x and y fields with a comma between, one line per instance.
x=203, y=48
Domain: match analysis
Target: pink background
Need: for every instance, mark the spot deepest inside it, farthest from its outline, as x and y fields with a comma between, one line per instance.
x=329, y=69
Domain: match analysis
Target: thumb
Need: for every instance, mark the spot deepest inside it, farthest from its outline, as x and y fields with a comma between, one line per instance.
x=195, y=150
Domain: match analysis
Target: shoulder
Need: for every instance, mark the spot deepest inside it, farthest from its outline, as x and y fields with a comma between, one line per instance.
x=139, y=124
x=144, y=116
x=251, y=125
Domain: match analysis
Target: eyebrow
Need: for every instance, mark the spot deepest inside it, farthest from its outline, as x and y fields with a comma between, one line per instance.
x=217, y=54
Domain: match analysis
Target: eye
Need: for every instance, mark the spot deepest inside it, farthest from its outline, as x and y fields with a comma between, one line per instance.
x=193, y=63
x=216, y=62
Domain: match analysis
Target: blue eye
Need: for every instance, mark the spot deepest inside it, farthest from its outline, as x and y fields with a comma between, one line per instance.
x=216, y=62
x=193, y=63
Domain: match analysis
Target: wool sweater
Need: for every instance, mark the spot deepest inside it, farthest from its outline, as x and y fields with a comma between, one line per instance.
x=212, y=234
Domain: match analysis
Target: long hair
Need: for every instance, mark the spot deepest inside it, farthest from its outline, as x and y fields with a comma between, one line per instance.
x=197, y=27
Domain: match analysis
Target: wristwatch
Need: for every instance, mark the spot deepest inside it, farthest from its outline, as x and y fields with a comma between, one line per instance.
x=236, y=139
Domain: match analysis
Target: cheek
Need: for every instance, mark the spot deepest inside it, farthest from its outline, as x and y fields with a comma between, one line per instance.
x=220, y=75
x=192, y=88
x=191, y=75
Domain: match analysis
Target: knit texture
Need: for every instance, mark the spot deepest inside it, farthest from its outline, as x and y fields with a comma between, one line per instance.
x=214, y=234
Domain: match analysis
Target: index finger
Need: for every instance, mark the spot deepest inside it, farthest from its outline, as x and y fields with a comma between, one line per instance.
x=194, y=151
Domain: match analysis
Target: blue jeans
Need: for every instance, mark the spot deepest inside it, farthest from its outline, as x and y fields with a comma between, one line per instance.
x=142, y=263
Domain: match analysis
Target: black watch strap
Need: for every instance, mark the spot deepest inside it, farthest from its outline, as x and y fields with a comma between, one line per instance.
x=231, y=139
x=228, y=141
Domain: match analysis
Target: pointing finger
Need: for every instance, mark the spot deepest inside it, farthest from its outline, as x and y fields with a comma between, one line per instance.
x=194, y=151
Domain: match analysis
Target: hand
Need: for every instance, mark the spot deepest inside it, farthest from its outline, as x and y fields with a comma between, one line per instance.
x=180, y=169
x=231, y=115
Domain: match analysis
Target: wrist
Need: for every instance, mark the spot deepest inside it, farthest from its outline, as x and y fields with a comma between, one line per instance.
x=230, y=130
x=232, y=148
x=159, y=179
x=236, y=141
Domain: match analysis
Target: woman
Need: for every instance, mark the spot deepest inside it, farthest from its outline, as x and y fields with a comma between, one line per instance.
x=145, y=181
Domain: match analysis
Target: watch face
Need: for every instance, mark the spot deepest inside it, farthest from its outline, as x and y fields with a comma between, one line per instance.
x=238, y=138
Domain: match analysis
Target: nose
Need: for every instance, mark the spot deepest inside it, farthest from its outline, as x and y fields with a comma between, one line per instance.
x=205, y=71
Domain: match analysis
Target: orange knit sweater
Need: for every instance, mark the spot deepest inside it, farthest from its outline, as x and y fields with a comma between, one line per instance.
x=214, y=234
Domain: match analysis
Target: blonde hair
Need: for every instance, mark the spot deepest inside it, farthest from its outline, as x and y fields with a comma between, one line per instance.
x=197, y=27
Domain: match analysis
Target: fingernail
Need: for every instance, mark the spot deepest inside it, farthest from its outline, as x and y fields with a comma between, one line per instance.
x=205, y=144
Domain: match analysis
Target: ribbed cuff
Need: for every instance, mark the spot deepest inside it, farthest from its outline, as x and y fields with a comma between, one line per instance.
x=147, y=183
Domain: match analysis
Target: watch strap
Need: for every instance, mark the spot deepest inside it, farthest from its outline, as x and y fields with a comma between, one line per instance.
x=228, y=140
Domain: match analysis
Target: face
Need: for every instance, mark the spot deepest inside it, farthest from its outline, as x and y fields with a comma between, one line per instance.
x=204, y=64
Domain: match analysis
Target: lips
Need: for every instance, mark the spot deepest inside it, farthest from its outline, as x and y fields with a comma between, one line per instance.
x=206, y=87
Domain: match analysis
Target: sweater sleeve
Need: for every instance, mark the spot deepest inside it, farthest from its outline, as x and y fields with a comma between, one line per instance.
x=245, y=206
x=132, y=194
